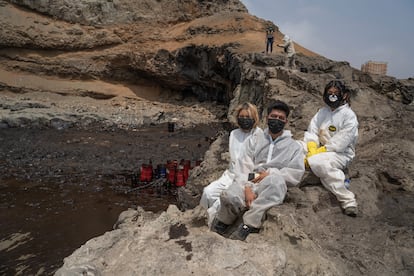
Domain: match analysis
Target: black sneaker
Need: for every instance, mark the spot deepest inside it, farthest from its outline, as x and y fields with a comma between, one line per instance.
x=351, y=211
x=219, y=227
x=242, y=232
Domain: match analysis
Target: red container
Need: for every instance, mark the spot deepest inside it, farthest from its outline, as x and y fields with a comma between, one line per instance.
x=171, y=171
x=171, y=175
x=180, y=178
x=146, y=173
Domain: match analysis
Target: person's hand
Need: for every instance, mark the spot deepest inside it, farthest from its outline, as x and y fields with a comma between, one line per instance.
x=260, y=177
x=312, y=147
x=249, y=196
x=320, y=149
x=313, y=152
x=324, y=136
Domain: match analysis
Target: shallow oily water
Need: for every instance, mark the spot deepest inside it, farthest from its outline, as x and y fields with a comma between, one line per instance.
x=42, y=224
x=59, y=189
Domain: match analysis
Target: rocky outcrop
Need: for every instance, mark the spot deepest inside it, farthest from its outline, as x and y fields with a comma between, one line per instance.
x=177, y=243
x=20, y=29
x=112, y=12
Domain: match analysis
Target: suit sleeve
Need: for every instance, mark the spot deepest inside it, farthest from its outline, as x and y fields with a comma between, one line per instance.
x=293, y=171
x=313, y=129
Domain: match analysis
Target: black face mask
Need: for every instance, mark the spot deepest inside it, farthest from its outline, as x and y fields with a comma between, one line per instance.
x=275, y=125
x=332, y=101
x=245, y=123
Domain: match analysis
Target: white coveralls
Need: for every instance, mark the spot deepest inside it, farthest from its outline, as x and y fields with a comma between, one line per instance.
x=338, y=131
x=282, y=158
x=289, y=49
x=211, y=193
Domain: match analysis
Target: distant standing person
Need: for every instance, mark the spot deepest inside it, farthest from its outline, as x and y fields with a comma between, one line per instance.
x=269, y=40
x=331, y=138
x=289, y=50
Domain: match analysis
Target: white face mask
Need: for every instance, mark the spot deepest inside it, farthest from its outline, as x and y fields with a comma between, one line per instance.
x=333, y=98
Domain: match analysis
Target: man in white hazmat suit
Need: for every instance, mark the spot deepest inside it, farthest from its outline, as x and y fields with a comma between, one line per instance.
x=247, y=119
x=277, y=161
x=331, y=138
x=289, y=50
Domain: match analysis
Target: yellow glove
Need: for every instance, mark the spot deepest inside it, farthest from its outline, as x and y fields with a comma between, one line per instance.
x=312, y=147
x=312, y=150
x=320, y=149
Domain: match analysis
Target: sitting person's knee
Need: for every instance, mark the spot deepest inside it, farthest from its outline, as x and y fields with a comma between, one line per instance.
x=227, y=199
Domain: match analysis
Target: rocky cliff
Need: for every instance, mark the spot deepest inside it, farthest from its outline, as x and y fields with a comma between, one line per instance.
x=134, y=63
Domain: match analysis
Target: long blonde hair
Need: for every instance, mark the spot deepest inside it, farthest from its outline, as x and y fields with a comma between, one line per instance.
x=251, y=109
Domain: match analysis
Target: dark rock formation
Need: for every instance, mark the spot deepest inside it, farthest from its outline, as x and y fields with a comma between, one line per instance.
x=114, y=12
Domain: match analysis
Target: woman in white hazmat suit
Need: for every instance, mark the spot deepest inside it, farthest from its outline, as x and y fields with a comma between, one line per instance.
x=247, y=119
x=330, y=140
x=276, y=160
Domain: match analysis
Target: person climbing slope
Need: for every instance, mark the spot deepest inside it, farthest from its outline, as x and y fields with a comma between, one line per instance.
x=289, y=50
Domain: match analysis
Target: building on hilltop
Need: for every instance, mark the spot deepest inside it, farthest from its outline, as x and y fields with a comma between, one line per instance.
x=374, y=67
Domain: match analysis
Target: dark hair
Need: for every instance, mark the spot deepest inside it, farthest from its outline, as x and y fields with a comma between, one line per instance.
x=338, y=85
x=279, y=105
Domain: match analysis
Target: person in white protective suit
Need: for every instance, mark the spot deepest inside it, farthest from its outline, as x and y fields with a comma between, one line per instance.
x=276, y=160
x=289, y=50
x=330, y=141
x=247, y=119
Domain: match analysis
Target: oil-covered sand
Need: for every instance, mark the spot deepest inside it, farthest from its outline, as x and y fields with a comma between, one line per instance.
x=60, y=188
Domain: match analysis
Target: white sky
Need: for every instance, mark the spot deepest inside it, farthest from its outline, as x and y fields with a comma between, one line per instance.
x=353, y=30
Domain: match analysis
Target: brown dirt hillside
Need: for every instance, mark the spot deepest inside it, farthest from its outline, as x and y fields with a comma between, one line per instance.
x=34, y=33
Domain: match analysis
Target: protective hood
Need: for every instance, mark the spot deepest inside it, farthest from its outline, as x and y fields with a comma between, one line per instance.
x=286, y=38
x=286, y=134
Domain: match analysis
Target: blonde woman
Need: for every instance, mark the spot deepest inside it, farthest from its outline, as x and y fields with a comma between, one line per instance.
x=247, y=119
